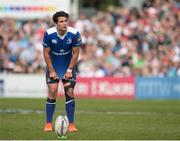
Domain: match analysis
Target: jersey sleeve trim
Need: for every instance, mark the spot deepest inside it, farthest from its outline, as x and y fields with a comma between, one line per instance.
x=46, y=41
x=78, y=41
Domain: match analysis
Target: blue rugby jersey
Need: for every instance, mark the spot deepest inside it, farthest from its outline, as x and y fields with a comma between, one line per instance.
x=61, y=47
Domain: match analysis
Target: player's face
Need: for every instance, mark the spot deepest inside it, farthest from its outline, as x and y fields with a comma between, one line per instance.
x=62, y=23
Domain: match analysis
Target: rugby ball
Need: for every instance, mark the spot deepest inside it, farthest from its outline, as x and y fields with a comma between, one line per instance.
x=61, y=125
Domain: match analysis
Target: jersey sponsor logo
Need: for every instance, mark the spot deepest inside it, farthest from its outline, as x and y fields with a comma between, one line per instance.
x=69, y=41
x=61, y=53
x=54, y=41
x=62, y=50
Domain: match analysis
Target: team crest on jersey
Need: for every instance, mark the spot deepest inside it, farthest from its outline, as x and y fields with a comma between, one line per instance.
x=54, y=41
x=69, y=41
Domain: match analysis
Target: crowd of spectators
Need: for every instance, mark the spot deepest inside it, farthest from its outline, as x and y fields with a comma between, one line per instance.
x=116, y=42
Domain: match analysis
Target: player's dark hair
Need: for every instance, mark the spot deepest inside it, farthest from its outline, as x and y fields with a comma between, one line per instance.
x=59, y=14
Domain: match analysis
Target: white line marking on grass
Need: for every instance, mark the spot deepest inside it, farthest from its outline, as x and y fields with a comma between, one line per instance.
x=21, y=111
x=27, y=111
x=125, y=113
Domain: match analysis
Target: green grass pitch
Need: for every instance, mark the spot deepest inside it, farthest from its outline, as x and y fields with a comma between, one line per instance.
x=96, y=119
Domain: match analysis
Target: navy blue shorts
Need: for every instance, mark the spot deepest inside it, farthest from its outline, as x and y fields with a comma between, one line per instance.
x=51, y=81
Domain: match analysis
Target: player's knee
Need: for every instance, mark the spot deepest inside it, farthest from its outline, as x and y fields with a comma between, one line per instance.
x=70, y=92
x=52, y=93
x=68, y=89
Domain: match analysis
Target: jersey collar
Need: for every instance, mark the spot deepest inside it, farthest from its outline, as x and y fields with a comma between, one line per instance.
x=61, y=37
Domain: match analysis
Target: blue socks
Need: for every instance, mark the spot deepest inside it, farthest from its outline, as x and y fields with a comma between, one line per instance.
x=50, y=107
x=70, y=107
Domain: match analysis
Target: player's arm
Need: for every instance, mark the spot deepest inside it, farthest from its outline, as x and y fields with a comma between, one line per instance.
x=74, y=59
x=75, y=54
x=47, y=59
x=75, y=50
x=46, y=51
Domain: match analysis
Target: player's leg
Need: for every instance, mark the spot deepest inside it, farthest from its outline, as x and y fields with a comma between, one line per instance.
x=51, y=101
x=70, y=101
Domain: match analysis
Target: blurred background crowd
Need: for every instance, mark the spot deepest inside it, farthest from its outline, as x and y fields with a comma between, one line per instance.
x=115, y=42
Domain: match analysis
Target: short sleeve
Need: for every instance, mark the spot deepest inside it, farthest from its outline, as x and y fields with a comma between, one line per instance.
x=77, y=40
x=46, y=40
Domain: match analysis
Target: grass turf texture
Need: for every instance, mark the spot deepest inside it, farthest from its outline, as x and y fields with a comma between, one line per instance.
x=96, y=119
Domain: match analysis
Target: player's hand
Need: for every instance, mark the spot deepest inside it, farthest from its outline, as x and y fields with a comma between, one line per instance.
x=53, y=75
x=68, y=75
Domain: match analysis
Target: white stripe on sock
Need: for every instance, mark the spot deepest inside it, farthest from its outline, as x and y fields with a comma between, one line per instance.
x=69, y=101
x=50, y=103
